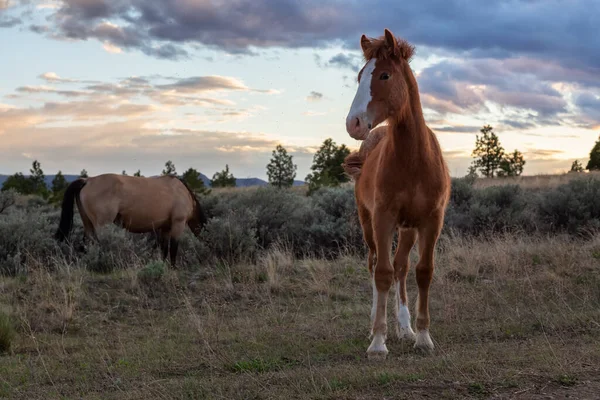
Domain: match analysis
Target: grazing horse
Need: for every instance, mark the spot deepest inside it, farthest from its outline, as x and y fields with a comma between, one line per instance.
x=402, y=184
x=161, y=205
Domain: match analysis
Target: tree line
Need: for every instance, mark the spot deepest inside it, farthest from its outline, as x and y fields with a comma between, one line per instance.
x=281, y=171
x=489, y=160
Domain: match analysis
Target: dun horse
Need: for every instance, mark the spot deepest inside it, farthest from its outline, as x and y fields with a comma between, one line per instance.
x=402, y=183
x=161, y=205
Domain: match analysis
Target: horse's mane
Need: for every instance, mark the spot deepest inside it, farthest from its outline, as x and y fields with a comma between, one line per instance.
x=379, y=48
x=200, y=216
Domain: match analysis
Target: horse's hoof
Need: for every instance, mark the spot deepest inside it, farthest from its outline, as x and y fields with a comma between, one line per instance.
x=377, y=355
x=406, y=334
x=377, y=352
x=423, y=342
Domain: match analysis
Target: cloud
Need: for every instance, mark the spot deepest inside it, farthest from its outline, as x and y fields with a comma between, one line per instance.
x=542, y=154
x=170, y=28
x=311, y=113
x=133, y=144
x=111, y=48
x=458, y=129
x=350, y=61
x=65, y=101
x=341, y=60
x=8, y=21
x=199, y=84
x=588, y=104
x=48, y=89
x=52, y=77
x=469, y=86
x=314, y=96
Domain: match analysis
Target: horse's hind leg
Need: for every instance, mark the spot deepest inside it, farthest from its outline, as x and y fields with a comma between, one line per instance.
x=176, y=231
x=406, y=241
x=174, y=246
x=428, y=236
x=89, y=230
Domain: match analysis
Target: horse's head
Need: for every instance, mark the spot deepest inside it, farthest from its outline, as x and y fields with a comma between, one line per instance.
x=382, y=89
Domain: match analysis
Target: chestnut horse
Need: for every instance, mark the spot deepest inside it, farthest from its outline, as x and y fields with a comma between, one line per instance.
x=402, y=184
x=160, y=205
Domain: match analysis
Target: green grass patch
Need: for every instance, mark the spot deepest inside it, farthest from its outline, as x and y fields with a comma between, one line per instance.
x=259, y=365
x=7, y=332
x=152, y=272
x=566, y=380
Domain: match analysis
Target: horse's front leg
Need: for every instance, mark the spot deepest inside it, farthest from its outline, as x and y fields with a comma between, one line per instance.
x=383, y=277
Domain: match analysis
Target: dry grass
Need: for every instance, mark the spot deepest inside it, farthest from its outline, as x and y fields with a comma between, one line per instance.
x=513, y=318
x=535, y=181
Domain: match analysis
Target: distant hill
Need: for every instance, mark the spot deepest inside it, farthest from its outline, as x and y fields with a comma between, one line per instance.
x=240, y=182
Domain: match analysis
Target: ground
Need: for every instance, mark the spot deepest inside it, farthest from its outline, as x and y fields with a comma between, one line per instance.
x=512, y=317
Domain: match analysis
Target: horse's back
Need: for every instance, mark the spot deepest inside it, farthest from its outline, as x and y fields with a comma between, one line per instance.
x=140, y=203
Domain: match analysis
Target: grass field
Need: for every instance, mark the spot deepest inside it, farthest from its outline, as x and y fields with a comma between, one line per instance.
x=513, y=317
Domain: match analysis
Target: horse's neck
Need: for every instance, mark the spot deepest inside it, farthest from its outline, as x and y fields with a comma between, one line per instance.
x=412, y=140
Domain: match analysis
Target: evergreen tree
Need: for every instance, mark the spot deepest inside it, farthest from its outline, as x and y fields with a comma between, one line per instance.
x=576, y=166
x=223, y=178
x=512, y=165
x=327, y=166
x=169, y=168
x=38, y=180
x=194, y=180
x=138, y=173
x=488, y=152
x=124, y=173
x=19, y=183
x=594, y=162
x=83, y=174
x=281, y=170
x=59, y=185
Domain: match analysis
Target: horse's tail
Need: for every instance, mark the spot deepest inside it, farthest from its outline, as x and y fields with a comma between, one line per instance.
x=353, y=164
x=66, y=215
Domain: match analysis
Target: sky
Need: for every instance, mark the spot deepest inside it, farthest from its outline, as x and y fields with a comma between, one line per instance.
x=112, y=85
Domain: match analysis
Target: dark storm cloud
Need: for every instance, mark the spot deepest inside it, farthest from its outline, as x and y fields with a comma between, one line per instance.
x=459, y=86
x=589, y=106
x=342, y=60
x=510, y=53
x=547, y=29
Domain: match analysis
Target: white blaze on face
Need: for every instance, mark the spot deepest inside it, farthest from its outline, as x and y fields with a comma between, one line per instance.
x=363, y=93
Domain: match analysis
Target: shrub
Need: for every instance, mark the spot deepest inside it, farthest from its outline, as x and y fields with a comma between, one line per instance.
x=232, y=237
x=116, y=249
x=571, y=207
x=25, y=236
x=490, y=210
x=152, y=272
x=7, y=332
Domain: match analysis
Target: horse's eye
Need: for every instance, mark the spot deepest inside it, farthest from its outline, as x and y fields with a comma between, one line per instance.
x=384, y=76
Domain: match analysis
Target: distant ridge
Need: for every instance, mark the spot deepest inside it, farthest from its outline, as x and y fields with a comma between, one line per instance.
x=239, y=182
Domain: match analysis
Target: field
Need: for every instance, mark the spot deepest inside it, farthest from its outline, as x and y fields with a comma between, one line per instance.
x=274, y=303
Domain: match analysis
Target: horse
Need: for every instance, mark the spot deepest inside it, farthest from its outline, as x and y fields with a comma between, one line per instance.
x=402, y=184
x=159, y=205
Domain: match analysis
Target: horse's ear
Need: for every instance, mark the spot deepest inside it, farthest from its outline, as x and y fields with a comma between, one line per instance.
x=364, y=43
x=390, y=39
